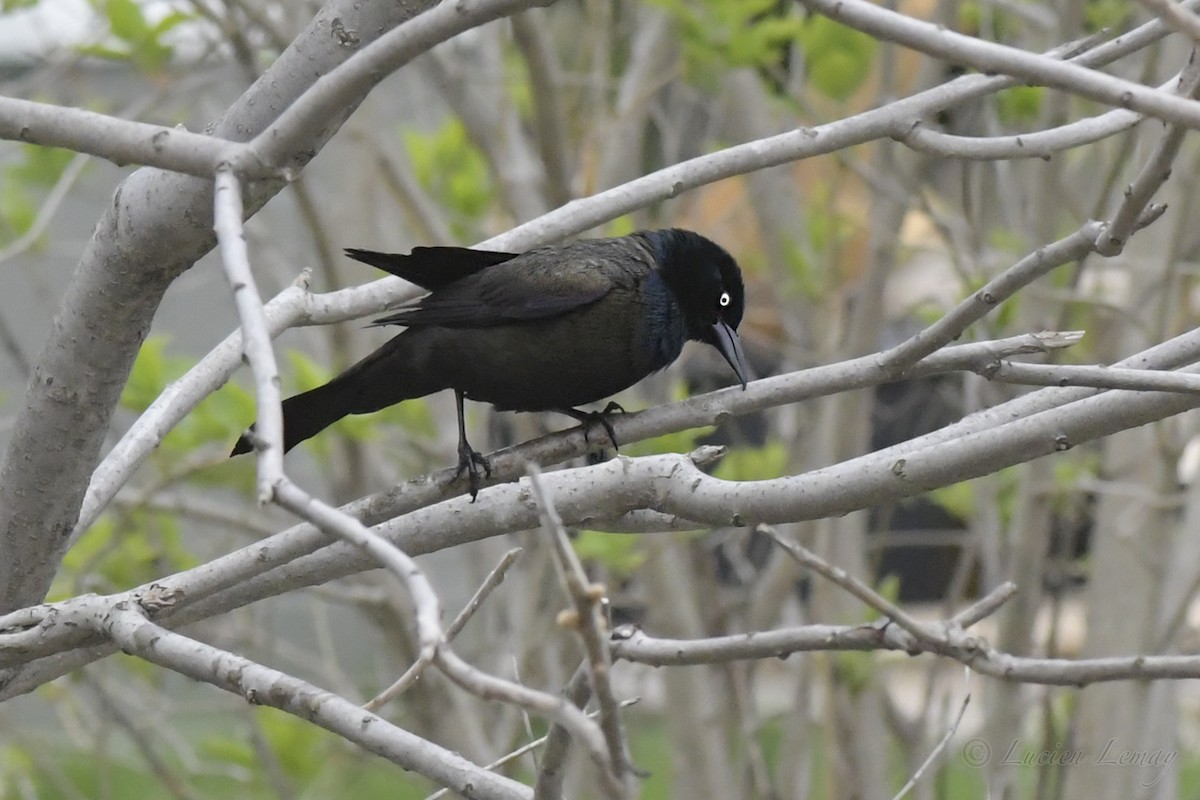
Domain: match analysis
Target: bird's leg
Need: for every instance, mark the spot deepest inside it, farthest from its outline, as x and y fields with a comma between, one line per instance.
x=589, y=417
x=468, y=459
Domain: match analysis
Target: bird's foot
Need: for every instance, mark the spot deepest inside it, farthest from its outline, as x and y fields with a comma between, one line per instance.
x=588, y=418
x=470, y=461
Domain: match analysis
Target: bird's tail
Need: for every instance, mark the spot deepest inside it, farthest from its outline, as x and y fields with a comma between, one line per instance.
x=383, y=378
x=307, y=414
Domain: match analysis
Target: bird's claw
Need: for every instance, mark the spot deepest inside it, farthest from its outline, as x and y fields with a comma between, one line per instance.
x=587, y=418
x=602, y=417
x=470, y=461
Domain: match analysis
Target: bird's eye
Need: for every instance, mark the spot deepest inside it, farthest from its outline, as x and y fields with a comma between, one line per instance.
x=724, y=300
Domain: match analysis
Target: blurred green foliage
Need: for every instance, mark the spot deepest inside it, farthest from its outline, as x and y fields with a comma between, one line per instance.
x=213, y=422
x=621, y=555
x=717, y=35
x=754, y=464
x=228, y=763
x=123, y=550
x=413, y=416
x=453, y=171
x=1020, y=105
x=134, y=38
x=837, y=59
x=1113, y=14
x=35, y=169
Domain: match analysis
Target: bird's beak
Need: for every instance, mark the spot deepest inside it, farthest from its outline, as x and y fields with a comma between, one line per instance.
x=725, y=339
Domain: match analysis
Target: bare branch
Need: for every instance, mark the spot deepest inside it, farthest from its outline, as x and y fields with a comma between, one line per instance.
x=493, y=580
x=1038, y=144
x=836, y=575
x=969, y=650
x=256, y=337
x=1153, y=175
x=951, y=325
x=1095, y=376
x=941, y=745
x=589, y=622
x=552, y=770
x=544, y=705
x=1177, y=15
x=992, y=58
x=985, y=606
x=135, y=634
x=117, y=140
x=508, y=758
x=529, y=32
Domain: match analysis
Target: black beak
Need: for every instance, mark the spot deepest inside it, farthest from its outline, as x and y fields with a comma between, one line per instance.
x=725, y=339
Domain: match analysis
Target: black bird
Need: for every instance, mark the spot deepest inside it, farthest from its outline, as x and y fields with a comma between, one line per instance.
x=546, y=330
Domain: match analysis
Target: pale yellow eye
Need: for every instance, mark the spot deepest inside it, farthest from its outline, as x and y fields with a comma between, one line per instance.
x=725, y=299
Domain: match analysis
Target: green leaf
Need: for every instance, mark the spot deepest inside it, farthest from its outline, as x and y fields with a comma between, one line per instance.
x=136, y=39
x=39, y=165
x=854, y=671
x=104, y=52
x=149, y=375
x=957, y=499
x=125, y=550
x=753, y=464
x=449, y=166
x=305, y=372
x=1020, y=104
x=169, y=22
x=621, y=226
x=126, y=20
x=1100, y=14
x=17, y=210
x=837, y=58
x=622, y=555
x=297, y=744
x=718, y=35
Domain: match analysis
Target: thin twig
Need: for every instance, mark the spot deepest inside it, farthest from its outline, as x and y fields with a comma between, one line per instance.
x=985, y=606
x=1177, y=16
x=591, y=626
x=228, y=216
x=493, y=579
x=552, y=771
x=941, y=745
x=1099, y=377
x=1153, y=174
x=952, y=324
x=810, y=560
x=508, y=758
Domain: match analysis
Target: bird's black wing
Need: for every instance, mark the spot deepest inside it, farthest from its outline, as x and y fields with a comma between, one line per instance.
x=535, y=285
x=432, y=267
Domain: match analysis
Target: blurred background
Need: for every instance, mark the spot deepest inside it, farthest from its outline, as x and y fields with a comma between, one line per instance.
x=844, y=255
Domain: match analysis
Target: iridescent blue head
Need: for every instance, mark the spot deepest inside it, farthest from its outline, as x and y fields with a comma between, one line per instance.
x=707, y=284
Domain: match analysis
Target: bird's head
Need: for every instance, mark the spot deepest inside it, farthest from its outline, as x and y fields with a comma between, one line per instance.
x=707, y=283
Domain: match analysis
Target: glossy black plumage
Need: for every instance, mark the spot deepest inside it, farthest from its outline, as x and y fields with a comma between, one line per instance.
x=546, y=330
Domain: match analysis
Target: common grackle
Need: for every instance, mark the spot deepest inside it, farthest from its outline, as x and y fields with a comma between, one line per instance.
x=546, y=330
